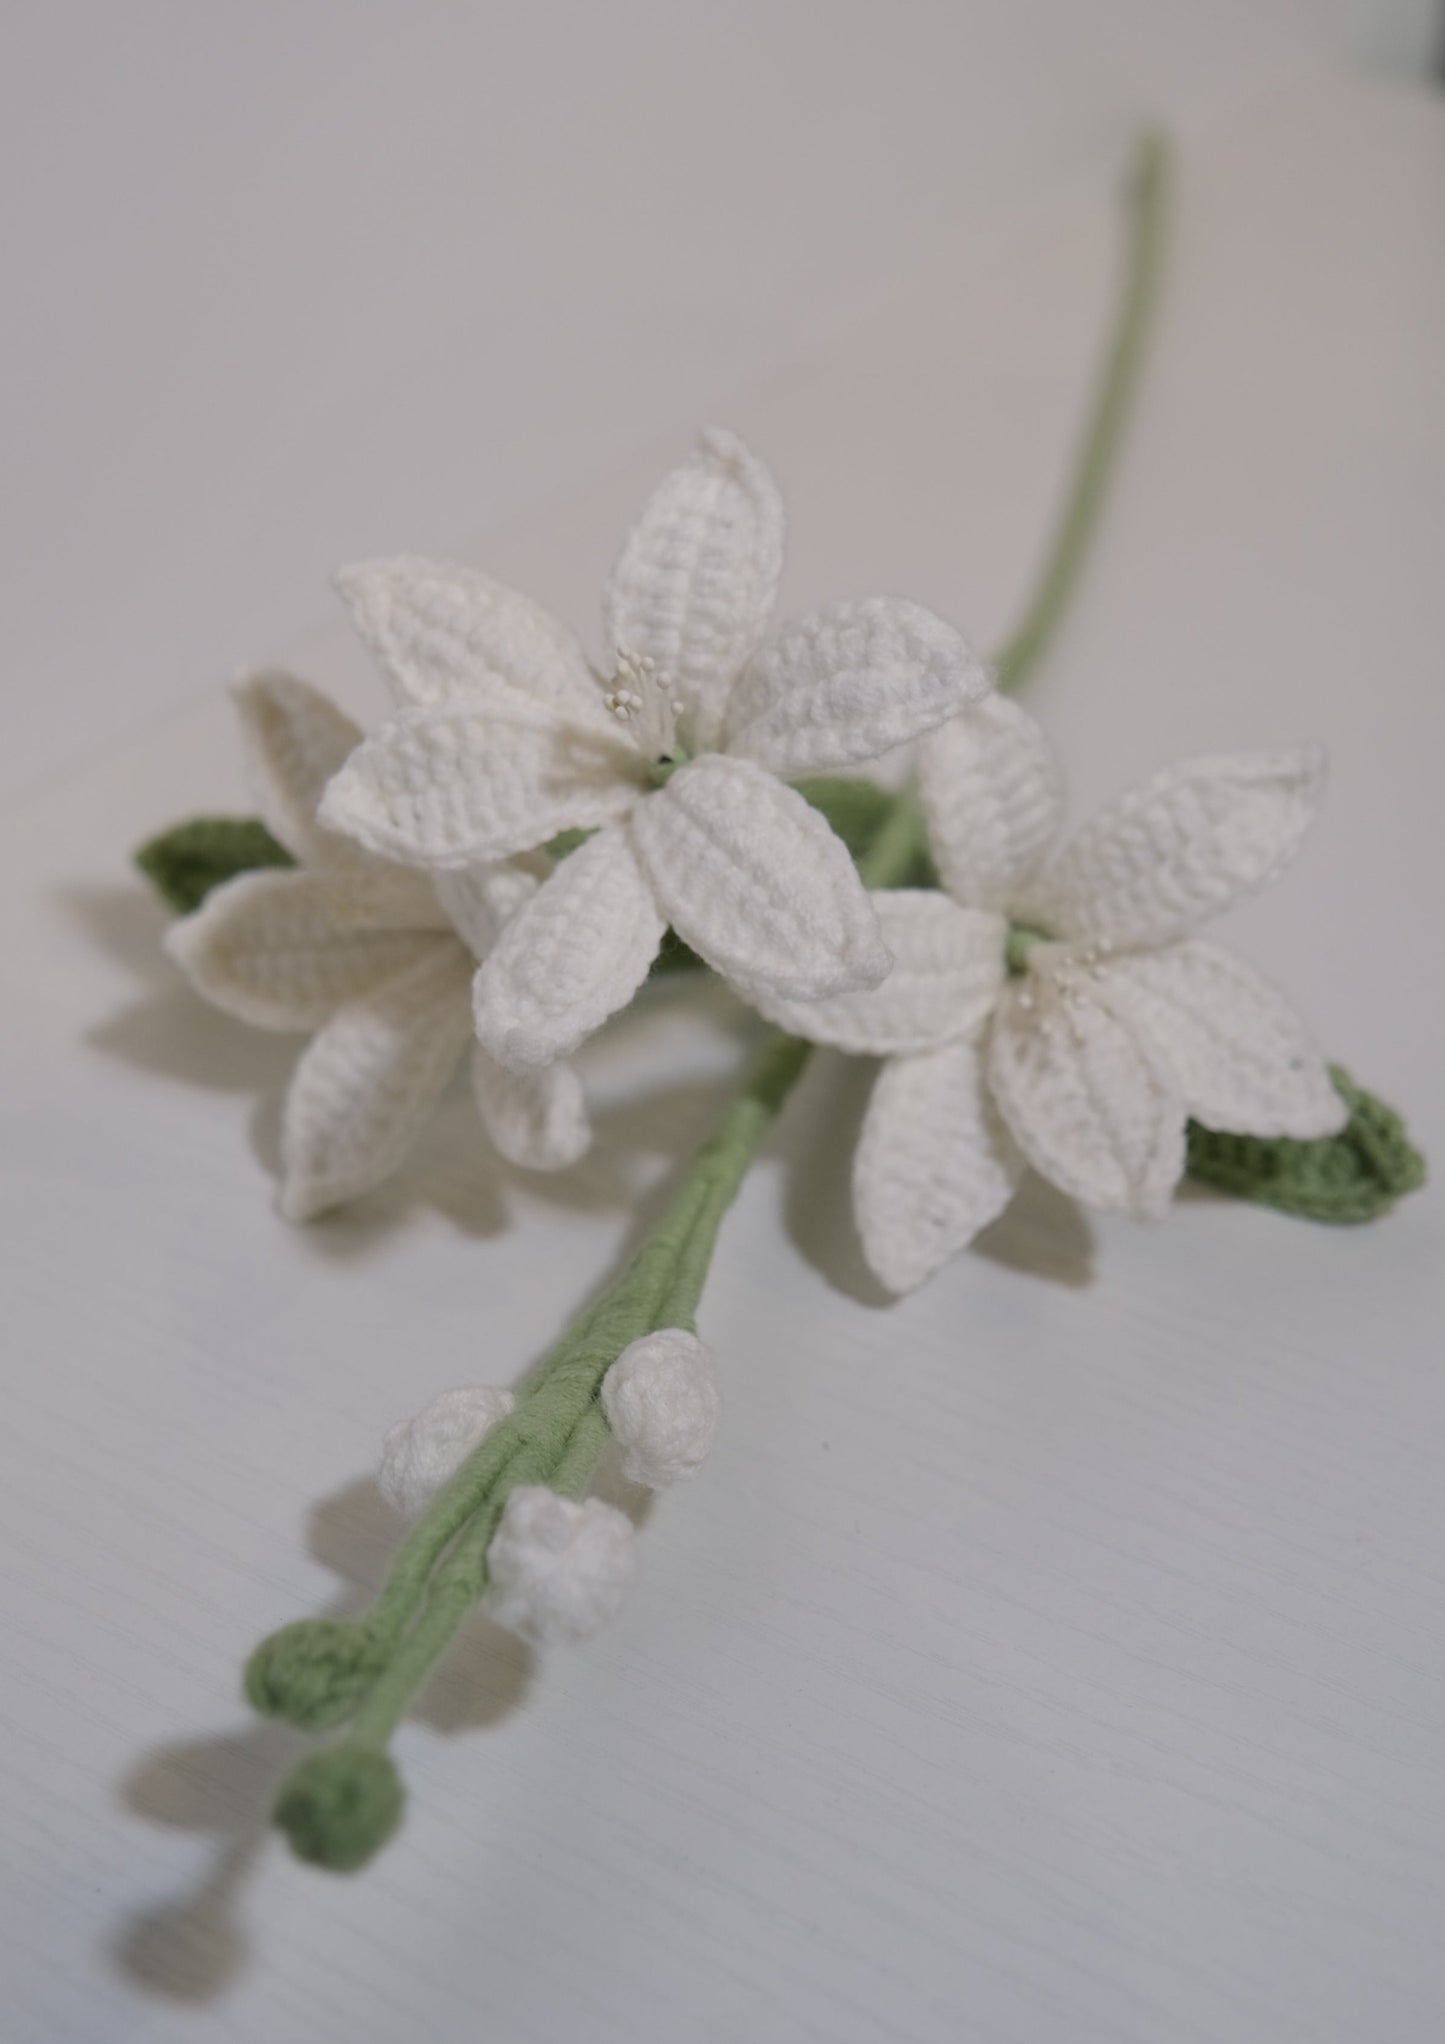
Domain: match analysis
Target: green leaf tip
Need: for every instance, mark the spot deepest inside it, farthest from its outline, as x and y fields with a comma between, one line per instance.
x=1352, y=1176
x=340, y=1807
x=185, y=863
x=314, y=1674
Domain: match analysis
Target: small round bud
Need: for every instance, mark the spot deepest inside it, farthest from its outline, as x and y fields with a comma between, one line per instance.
x=315, y=1673
x=661, y=1402
x=558, y=1569
x=421, y=1455
x=340, y=1807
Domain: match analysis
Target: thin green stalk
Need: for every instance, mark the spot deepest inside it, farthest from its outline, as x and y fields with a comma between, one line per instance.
x=1113, y=401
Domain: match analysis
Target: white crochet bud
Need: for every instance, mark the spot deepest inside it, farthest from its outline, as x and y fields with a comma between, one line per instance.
x=421, y=1455
x=661, y=1402
x=559, y=1570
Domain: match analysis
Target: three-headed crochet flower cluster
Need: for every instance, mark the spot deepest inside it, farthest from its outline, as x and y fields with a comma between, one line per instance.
x=493, y=873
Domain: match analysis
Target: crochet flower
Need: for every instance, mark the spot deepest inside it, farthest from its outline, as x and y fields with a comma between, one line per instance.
x=1053, y=1006
x=377, y=959
x=677, y=759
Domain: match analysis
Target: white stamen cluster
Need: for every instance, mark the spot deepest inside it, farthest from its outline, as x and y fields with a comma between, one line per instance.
x=642, y=701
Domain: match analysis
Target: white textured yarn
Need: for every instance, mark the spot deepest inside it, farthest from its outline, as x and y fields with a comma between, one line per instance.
x=1088, y=1062
x=376, y=959
x=503, y=740
x=421, y=1455
x=558, y=1570
x=661, y=1401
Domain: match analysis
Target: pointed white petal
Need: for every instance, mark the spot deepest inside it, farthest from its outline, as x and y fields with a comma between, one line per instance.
x=577, y=952
x=295, y=739
x=480, y=900
x=992, y=793
x=948, y=969
x=1087, y=1105
x=437, y=631
x=698, y=575
x=537, y=1119
x=367, y=1084
x=849, y=683
x=934, y=1164
x=457, y=785
x=284, y=950
x=1241, y=1059
x=1180, y=848
x=752, y=877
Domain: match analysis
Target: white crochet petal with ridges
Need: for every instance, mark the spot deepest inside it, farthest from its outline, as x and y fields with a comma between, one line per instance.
x=934, y=1164
x=577, y=951
x=284, y=950
x=754, y=880
x=1087, y=1104
x=369, y=1081
x=295, y=739
x=695, y=583
x=948, y=967
x=479, y=901
x=849, y=683
x=458, y=785
x=1180, y=848
x=438, y=630
x=1240, y=1057
x=536, y=1119
x=992, y=792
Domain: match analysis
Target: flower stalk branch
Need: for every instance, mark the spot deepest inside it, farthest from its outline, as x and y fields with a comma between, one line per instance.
x=341, y=1804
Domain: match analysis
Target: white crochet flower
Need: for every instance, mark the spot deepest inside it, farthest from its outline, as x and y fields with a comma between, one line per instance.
x=377, y=959
x=1053, y=1007
x=678, y=760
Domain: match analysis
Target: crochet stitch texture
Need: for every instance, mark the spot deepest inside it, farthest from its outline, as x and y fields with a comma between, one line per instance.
x=377, y=959
x=1053, y=1006
x=677, y=758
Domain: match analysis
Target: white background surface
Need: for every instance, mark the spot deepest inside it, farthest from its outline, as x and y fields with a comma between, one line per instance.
x=1058, y=1655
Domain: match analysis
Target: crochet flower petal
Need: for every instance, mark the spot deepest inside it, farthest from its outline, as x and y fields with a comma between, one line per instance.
x=479, y=900
x=1088, y=1107
x=438, y=631
x=992, y=792
x=284, y=950
x=295, y=740
x=948, y=967
x=368, y=1083
x=934, y=1164
x=1180, y=848
x=577, y=952
x=464, y=783
x=848, y=683
x=537, y=1119
x=697, y=578
x=1242, y=1061
x=754, y=880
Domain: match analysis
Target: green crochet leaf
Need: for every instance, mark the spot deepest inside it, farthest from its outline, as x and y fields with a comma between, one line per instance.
x=1353, y=1176
x=185, y=863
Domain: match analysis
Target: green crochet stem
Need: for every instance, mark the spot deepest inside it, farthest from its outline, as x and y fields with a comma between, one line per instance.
x=1113, y=401
x=340, y=1805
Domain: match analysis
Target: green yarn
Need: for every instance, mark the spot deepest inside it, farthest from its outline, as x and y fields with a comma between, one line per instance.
x=1113, y=401
x=184, y=863
x=314, y=1674
x=1352, y=1176
x=340, y=1806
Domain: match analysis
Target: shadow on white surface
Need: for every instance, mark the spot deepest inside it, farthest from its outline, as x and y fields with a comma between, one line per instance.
x=193, y=1947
